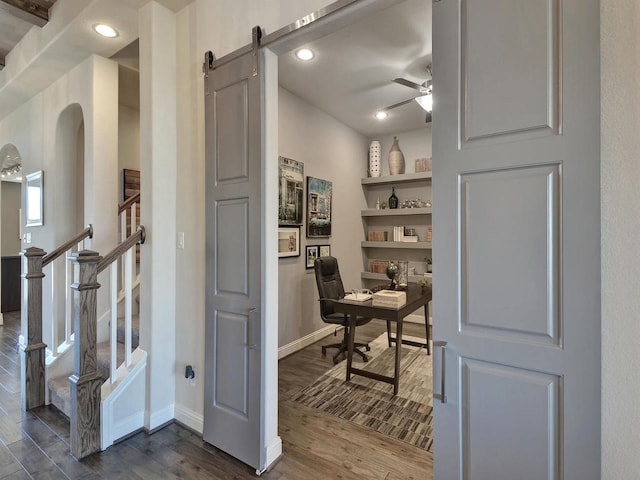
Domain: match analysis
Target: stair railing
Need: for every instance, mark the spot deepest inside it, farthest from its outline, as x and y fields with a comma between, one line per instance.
x=73, y=245
x=86, y=381
x=32, y=348
x=126, y=251
x=128, y=209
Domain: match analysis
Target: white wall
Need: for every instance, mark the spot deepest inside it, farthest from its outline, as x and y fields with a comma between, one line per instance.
x=331, y=151
x=10, y=203
x=33, y=129
x=620, y=177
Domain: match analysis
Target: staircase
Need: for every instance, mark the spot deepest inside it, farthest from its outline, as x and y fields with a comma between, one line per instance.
x=93, y=370
x=59, y=388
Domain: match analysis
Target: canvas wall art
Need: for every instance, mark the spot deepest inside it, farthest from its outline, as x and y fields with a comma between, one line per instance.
x=318, y=207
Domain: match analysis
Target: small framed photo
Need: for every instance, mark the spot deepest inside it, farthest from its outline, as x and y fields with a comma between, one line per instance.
x=288, y=242
x=324, y=251
x=311, y=254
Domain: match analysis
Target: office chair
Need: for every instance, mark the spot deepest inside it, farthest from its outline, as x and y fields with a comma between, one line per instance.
x=330, y=289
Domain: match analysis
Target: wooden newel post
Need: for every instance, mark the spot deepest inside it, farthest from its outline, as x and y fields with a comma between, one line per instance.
x=86, y=381
x=33, y=352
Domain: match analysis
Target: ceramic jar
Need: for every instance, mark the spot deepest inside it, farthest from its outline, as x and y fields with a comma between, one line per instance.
x=375, y=159
x=396, y=159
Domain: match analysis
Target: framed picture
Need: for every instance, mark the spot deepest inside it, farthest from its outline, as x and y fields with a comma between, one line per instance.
x=290, y=191
x=318, y=207
x=311, y=254
x=35, y=199
x=324, y=251
x=288, y=242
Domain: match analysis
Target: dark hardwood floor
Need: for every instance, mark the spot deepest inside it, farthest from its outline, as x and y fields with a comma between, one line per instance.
x=35, y=445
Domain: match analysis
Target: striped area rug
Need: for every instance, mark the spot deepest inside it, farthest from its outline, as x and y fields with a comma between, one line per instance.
x=370, y=403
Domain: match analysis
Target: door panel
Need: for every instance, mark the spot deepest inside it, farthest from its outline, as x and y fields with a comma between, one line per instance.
x=231, y=392
x=529, y=415
x=232, y=246
x=510, y=218
x=516, y=171
x=509, y=64
x=232, y=133
x=233, y=374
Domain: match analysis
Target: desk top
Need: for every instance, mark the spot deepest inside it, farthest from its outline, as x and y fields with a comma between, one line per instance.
x=416, y=297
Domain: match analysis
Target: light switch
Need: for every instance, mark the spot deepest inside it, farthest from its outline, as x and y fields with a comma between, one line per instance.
x=181, y=240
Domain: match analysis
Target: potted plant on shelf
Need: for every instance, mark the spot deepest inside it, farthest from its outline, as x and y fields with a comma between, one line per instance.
x=429, y=266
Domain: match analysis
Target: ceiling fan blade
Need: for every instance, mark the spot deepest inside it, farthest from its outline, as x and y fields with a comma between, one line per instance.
x=399, y=104
x=410, y=84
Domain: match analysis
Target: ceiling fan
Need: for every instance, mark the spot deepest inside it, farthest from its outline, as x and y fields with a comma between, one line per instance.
x=424, y=99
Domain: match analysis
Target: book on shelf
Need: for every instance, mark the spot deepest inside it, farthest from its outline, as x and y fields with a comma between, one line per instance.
x=410, y=238
x=377, y=236
x=378, y=266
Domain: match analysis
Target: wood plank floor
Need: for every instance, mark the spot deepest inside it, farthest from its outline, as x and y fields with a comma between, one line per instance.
x=35, y=445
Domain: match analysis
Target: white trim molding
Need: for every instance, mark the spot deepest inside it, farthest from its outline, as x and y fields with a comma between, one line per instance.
x=305, y=341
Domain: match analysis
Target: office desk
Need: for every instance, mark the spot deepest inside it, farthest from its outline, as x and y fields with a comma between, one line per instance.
x=416, y=298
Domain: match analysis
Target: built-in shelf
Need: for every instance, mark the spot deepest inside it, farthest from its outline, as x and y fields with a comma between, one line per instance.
x=405, y=177
x=408, y=245
x=382, y=276
x=395, y=212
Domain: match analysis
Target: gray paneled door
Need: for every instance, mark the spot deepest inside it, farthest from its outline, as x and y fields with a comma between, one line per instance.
x=516, y=134
x=233, y=259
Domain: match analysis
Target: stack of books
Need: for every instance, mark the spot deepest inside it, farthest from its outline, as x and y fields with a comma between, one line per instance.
x=404, y=234
x=389, y=299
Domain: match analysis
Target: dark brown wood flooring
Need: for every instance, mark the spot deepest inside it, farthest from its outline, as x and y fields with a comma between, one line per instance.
x=35, y=445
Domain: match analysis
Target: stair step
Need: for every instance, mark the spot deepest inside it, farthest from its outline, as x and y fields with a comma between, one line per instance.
x=135, y=330
x=59, y=388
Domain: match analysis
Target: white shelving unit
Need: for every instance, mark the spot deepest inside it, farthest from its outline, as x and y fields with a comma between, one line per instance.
x=407, y=187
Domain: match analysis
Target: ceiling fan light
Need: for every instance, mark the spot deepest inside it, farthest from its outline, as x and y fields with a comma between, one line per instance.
x=381, y=115
x=426, y=102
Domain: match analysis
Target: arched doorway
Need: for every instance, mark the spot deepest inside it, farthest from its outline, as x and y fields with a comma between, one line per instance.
x=10, y=230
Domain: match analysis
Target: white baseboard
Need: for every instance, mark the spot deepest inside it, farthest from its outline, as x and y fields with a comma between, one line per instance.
x=305, y=341
x=159, y=418
x=189, y=418
x=273, y=451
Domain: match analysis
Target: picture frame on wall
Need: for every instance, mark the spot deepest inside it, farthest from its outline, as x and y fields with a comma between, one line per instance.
x=318, y=207
x=311, y=253
x=290, y=191
x=288, y=242
x=324, y=250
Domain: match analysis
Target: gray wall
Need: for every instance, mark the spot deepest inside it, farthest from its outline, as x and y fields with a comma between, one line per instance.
x=330, y=151
x=11, y=200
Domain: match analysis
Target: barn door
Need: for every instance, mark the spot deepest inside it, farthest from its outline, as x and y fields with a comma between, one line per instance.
x=517, y=239
x=233, y=258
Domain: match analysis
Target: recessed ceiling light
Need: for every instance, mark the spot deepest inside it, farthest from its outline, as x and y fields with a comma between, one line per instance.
x=304, y=54
x=381, y=115
x=105, y=30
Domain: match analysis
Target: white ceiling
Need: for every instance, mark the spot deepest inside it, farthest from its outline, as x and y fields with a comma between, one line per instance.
x=350, y=76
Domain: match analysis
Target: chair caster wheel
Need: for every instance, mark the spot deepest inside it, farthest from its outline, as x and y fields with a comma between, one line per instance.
x=365, y=359
x=367, y=348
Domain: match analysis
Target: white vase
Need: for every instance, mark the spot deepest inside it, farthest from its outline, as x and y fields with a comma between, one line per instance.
x=375, y=155
x=396, y=159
